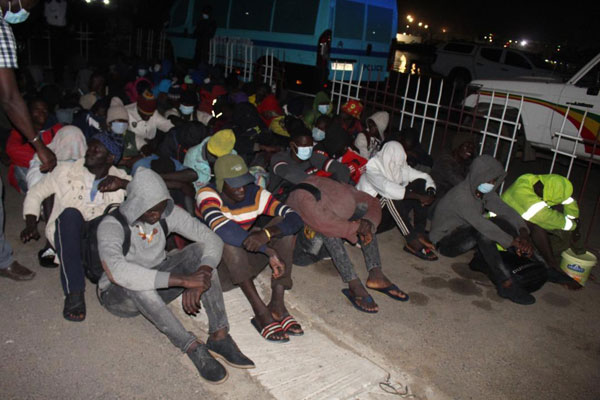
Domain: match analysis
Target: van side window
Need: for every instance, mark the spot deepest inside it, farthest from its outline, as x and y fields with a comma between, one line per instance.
x=379, y=24
x=251, y=14
x=291, y=17
x=220, y=8
x=516, y=60
x=180, y=14
x=591, y=79
x=459, y=47
x=349, y=19
x=491, y=54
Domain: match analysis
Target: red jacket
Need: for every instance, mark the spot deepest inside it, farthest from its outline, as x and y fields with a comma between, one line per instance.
x=20, y=151
x=355, y=163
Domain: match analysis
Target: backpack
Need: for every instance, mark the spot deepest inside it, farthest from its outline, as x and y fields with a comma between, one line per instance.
x=529, y=274
x=90, y=257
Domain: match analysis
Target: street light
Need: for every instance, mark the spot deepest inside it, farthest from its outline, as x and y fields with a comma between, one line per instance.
x=420, y=24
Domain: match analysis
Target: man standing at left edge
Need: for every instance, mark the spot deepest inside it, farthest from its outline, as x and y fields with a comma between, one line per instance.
x=14, y=12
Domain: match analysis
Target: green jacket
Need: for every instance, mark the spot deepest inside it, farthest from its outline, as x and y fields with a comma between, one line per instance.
x=310, y=117
x=557, y=190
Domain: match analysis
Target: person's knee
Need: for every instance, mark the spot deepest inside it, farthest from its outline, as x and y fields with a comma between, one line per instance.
x=71, y=215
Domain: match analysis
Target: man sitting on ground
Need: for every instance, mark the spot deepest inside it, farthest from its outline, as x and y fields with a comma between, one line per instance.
x=459, y=225
x=230, y=208
x=143, y=279
x=552, y=215
x=82, y=191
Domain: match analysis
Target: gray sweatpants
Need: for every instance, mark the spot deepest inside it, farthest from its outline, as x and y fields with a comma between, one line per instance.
x=152, y=304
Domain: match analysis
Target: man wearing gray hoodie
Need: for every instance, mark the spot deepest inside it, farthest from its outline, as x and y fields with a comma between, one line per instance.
x=146, y=278
x=459, y=225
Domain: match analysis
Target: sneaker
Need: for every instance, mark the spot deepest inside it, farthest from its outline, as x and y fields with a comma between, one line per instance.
x=515, y=294
x=228, y=351
x=209, y=368
x=46, y=258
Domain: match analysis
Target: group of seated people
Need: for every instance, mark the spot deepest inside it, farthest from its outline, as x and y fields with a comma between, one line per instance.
x=223, y=178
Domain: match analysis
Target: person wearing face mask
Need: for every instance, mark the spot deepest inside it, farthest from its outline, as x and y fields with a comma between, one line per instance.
x=321, y=106
x=320, y=128
x=12, y=102
x=292, y=166
x=139, y=85
x=459, y=225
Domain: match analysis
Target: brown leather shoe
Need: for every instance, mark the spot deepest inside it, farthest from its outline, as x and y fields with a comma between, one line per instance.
x=17, y=272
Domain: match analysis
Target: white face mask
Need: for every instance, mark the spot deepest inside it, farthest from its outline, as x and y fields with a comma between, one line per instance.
x=323, y=108
x=318, y=134
x=18, y=17
x=142, y=72
x=205, y=16
x=186, y=110
x=118, y=127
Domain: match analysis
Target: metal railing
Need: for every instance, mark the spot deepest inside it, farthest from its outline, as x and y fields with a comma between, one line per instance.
x=250, y=62
x=439, y=112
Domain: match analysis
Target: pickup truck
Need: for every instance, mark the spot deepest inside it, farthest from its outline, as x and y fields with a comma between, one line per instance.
x=461, y=62
x=571, y=108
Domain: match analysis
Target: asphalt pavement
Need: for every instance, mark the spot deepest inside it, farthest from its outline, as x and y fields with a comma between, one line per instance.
x=454, y=339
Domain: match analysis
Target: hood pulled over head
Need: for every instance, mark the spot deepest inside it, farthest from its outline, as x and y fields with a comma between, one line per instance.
x=145, y=190
x=484, y=169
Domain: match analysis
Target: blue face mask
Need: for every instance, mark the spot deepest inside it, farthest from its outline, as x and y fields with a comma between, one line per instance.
x=318, y=134
x=304, y=153
x=18, y=17
x=118, y=127
x=186, y=110
x=142, y=72
x=485, y=188
x=323, y=108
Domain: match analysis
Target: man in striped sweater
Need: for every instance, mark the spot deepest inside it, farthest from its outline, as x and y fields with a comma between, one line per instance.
x=230, y=207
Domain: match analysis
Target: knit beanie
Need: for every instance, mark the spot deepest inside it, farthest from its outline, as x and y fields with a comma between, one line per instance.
x=146, y=103
x=116, y=111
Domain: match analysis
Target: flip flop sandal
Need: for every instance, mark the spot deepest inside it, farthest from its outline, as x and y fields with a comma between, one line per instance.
x=268, y=331
x=388, y=291
x=289, y=323
x=354, y=300
x=74, y=307
x=424, y=254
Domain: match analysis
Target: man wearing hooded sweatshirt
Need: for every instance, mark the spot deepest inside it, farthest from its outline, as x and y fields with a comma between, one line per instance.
x=82, y=190
x=552, y=215
x=369, y=142
x=146, y=278
x=459, y=225
x=321, y=106
x=401, y=189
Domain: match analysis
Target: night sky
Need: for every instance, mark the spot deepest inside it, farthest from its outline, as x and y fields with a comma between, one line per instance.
x=575, y=23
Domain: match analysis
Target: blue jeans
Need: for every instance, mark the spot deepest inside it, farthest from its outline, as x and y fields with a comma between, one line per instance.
x=152, y=304
x=6, y=258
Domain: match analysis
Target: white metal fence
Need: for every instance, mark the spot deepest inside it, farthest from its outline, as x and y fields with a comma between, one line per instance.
x=438, y=111
x=250, y=62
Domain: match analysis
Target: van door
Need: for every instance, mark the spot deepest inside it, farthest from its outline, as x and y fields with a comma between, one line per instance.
x=379, y=33
x=348, y=34
x=515, y=65
x=584, y=99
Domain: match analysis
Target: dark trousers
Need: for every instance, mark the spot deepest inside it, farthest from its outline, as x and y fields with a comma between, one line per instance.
x=467, y=238
x=238, y=265
x=67, y=241
x=397, y=213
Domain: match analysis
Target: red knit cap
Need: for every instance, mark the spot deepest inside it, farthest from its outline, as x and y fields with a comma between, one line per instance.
x=146, y=103
x=353, y=107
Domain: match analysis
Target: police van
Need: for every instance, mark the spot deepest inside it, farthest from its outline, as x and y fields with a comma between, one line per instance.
x=316, y=37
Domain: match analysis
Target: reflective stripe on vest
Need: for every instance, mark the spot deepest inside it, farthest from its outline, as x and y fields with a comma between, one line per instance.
x=534, y=209
x=568, y=201
x=568, y=224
